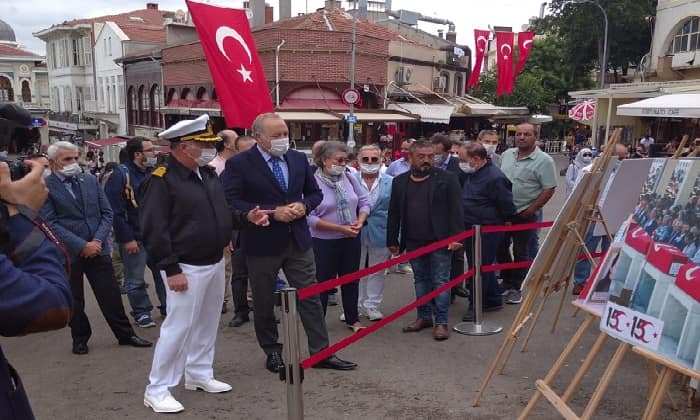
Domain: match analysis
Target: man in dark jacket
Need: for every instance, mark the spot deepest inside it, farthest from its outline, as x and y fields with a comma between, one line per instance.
x=487, y=200
x=122, y=192
x=425, y=207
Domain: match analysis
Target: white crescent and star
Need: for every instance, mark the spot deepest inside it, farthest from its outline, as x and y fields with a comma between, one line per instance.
x=510, y=49
x=526, y=44
x=481, y=47
x=637, y=233
x=227, y=32
x=689, y=273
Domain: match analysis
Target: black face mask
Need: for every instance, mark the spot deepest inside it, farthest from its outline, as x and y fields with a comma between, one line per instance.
x=420, y=172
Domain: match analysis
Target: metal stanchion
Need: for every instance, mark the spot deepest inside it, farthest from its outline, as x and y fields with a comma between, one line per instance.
x=477, y=327
x=292, y=374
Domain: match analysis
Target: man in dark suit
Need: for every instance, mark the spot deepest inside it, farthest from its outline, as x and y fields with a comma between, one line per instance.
x=273, y=177
x=78, y=210
x=445, y=160
x=426, y=193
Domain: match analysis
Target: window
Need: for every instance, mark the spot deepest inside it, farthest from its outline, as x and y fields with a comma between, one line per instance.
x=50, y=60
x=143, y=105
x=79, y=98
x=459, y=84
x=65, y=53
x=76, y=51
x=113, y=97
x=6, y=93
x=109, y=46
x=100, y=88
x=87, y=50
x=26, y=92
x=131, y=105
x=154, y=106
x=67, y=99
x=55, y=99
x=120, y=86
x=687, y=38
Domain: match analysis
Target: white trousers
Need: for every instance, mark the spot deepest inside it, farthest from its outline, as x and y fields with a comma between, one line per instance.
x=372, y=287
x=187, y=337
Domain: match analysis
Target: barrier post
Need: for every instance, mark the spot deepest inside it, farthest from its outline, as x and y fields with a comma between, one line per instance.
x=477, y=327
x=292, y=374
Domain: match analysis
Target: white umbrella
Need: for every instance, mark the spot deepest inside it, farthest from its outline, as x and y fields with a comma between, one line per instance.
x=583, y=110
x=680, y=105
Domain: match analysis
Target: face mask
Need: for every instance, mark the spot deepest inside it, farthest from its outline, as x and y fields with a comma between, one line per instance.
x=279, y=147
x=437, y=160
x=47, y=172
x=207, y=156
x=367, y=168
x=586, y=159
x=71, y=170
x=336, y=170
x=490, y=148
x=466, y=168
x=404, y=155
x=151, y=161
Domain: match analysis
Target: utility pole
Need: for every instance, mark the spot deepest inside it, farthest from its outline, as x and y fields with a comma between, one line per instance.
x=351, y=124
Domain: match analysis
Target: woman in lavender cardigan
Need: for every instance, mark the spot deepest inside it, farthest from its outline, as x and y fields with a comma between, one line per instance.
x=336, y=224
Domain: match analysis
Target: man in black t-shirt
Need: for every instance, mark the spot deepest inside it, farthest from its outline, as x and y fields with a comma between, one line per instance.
x=425, y=207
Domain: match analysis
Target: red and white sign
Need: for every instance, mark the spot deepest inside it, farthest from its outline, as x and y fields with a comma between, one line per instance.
x=666, y=258
x=631, y=326
x=233, y=61
x=351, y=96
x=638, y=239
x=688, y=280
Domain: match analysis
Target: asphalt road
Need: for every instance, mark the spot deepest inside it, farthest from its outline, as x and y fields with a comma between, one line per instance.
x=400, y=376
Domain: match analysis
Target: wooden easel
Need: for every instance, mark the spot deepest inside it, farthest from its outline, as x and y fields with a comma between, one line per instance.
x=553, y=265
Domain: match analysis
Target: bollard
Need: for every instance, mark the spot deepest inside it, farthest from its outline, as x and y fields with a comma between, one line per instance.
x=477, y=327
x=292, y=374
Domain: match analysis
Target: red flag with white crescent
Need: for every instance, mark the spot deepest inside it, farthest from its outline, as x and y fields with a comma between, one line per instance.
x=504, y=61
x=481, y=40
x=233, y=61
x=524, y=46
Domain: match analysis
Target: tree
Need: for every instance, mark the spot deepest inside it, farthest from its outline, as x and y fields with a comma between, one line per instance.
x=529, y=91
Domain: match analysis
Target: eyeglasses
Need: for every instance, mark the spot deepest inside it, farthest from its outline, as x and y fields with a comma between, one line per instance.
x=367, y=159
x=587, y=155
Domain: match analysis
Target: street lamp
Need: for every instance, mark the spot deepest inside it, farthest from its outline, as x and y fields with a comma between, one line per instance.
x=604, y=61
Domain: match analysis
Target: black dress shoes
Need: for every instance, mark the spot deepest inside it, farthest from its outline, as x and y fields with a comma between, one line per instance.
x=274, y=362
x=238, y=320
x=134, y=341
x=336, y=363
x=80, y=347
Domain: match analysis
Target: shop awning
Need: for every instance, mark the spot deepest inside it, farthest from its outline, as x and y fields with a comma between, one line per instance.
x=111, y=141
x=639, y=90
x=430, y=113
x=383, y=116
x=680, y=105
x=489, y=110
x=308, y=116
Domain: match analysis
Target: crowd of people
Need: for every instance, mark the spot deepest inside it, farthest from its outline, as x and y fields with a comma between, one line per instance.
x=228, y=215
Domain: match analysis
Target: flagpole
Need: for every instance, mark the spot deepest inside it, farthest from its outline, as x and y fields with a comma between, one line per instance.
x=351, y=125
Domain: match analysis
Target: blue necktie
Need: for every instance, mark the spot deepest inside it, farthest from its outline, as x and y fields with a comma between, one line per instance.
x=277, y=172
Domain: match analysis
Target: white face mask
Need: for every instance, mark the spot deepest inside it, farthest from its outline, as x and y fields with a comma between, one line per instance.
x=336, y=170
x=279, y=147
x=70, y=170
x=438, y=159
x=207, y=156
x=151, y=161
x=466, y=168
x=368, y=168
x=586, y=159
x=490, y=148
x=47, y=172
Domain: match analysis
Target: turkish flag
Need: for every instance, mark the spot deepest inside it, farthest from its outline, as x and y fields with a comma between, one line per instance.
x=524, y=46
x=233, y=60
x=504, y=60
x=481, y=40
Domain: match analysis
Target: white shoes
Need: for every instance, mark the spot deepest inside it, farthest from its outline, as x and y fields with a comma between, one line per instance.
x=374, y=314
x=166, y=404
x=211, y=385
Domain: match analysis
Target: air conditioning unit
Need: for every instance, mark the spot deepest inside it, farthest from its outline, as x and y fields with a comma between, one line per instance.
x=403, y=75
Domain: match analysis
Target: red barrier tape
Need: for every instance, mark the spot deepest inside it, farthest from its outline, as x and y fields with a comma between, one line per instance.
x=516, y=227
x=348, y=278
x=329, y=351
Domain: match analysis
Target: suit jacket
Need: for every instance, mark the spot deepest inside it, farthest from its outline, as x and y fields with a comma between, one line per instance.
x=375, y=229
x=446, y=213
x=249, y=182
x=77, y=225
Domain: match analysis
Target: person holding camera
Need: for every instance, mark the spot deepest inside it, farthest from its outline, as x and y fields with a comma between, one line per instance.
x=34, y=291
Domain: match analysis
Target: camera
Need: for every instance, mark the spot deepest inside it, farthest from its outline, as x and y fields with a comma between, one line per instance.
x=15, y=122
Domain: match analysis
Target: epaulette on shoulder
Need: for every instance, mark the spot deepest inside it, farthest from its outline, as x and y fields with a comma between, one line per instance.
x=160, y=171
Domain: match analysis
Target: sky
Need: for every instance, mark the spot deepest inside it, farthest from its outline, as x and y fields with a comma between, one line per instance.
x=28, y=16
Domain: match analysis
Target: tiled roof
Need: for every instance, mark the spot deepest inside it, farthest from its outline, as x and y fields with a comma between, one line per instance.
x=143, y=33
x=335, y=20
x=8, y=50
x=149, y=16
